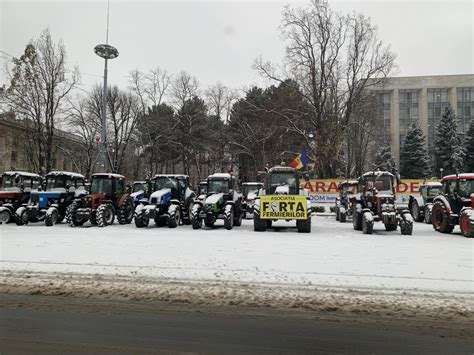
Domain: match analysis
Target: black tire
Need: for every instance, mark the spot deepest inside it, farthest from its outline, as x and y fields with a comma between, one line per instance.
x=125, y=212
x=105, y=215
x=71, y=217
x=466, y=222
x=304, y=225
x=229, y=217
x=259, y=225
x=21, y=216
x=415, y=211
x=406, y=225
x=239, y=215
x=5, y=216
x=93, y=218
x=428, y=213
x=174, y=216
x=187, y=219
x=50, y=219
x=367, y=223
x=141, y=222
x=196, y=221
x=440, y=218
x=389, y=227
x=342, y=217
x=337, y=213
x=356, y=219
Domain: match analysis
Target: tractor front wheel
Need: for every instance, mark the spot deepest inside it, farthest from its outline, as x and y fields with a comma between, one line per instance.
x=229, y=217
x=415, y=211
x=196, y=220
x=367, y=223
x=466, y=222
x=71, y=215
x=125, y=212
x=21, y=216
x=141, y=222
x=174, y=216
x=105, y=215
x=440, y=218
x=259, y=225
x=428, y=213
x=406, y=224
x=5, y=215
x=356, y=218
x=304, y=225
x=52, y=216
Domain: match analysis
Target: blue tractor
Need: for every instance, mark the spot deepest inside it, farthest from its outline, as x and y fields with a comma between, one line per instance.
x=169, y=204
x=60, y=190
x=139, y=191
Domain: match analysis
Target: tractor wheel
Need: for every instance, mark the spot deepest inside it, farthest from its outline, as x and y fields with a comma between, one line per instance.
x=342, y=217
x=367, y=223
x=174, y=216
x=141, y=222
x=356, y=219
x=125, y=212
x=105, y=215
x=229, y=217
x=389, y=227
x=239, y=215
x=406, y=224
x=466, y=222
x=21, y=216
x=259, y=225
x=415, y=211
x=52, y=216
x=196, y=221
x=187, y=219
x=71, y=217
x=337, y=213
x=5, y=215
x=428, y=213
x=304, y=225
x=440, y=218
x=93, y=218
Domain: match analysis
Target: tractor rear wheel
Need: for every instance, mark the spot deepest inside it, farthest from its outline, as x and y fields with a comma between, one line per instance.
x=71, y=215
x=259, y=225
x=5, y=215
x=466, y=222
x=239, y=215
x=304, y=225
x=196, y=220
x=342, y=216
x=415, y=211
x=105, y=215
x=440, y=218
x=125, y=212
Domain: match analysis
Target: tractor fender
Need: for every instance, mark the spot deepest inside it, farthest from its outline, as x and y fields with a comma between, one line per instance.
x=121, y=200
x=54, y=205
x=175, y=202
x=198, y=203
x=366, y=210
x=445, y=201
x=418, y=199
x=51, y=209
x=139, y=208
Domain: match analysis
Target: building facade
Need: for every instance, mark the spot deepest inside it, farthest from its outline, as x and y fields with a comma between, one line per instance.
x=402, y=101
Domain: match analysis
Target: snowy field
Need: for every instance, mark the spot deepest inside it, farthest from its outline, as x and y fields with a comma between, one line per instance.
x=333, y=255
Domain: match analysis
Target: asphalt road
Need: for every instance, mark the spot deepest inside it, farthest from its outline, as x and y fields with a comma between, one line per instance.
x=51, y=325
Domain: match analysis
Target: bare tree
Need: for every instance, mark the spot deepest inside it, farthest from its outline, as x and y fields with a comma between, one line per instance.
x=183, y=88
x=334, y=59
x=39, y=85
x=220, y=99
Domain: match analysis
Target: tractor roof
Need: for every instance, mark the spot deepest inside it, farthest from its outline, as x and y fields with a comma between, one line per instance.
x=109, y=175
x=203, y=182
x=377, y=173
x=22, y=173
x=176, y=176
x=65, y=173
x=432, y=184
x=218, y=176
x=468, y=176
x=252, y=184
x=349, y=182
x=282, y=169
x=139, y=182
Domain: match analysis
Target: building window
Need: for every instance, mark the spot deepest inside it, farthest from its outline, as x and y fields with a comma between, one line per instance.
x=465, y=111
x=409, y=111
x=437, y=102
x=383, y=117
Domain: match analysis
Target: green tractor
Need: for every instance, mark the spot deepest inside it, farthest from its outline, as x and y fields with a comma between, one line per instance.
x=222, y=202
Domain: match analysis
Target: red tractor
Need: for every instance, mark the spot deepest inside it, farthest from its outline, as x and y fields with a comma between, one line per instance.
x=455, y=205
x=108, y=197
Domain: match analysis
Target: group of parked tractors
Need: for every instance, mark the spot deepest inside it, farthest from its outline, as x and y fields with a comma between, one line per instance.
x=443, y=204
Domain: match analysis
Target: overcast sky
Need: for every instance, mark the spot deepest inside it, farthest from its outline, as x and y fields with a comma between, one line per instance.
x=219, y=40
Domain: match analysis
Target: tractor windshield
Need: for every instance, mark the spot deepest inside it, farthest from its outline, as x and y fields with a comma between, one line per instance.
x=139, y=186
x=246, y=189
x=218, y=186
x=466, y=188
x=164, y=182
x=55, y=182
x=383, y=184
x=203, y=189
x=10, y=182
x=434, y=191
x=101, y=186
x=284, y=179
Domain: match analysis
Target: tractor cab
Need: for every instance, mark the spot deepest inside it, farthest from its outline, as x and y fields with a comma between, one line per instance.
x=347, y=191
x=377, y=188
x=282, y=180
x=105, y=186
x=202, y=190
x=168, y=187
x=139, y=191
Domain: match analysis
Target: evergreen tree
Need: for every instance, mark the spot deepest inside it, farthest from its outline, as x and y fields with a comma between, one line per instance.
x=384, y=160
x=469, y=146
x=449, y=150
x=414, y=160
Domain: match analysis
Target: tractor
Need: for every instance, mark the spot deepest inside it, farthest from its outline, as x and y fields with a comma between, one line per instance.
x=202, y=190
x=15, y=192
x=139, y=191
x=222, y=201
x=250, y=191
x=169, y=204
x=282, y=198
x=455, y=205
x=347, y=190
x=421, y=205
x=108, y=197
x=375, y=201
x=60, y=190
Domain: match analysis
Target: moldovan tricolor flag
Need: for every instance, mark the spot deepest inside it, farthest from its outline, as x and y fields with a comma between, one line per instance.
x=300, y=161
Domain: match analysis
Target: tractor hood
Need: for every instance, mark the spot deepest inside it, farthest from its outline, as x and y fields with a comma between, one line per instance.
x=160, y=197
x=137, y=195
x=42, y=197
x=251, y=196
x=214, y=198
x=282, y=190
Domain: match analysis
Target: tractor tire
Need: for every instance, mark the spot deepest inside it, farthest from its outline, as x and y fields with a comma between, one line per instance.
x=259, y=225
x=406, y=224
x=304, y=225
x=196, y=221
x=5, y=215
x=391, y=227
x=239, y=215
x=440, y=218
x=342, y=217
x=105, y=215
x=356, y=219
x=415, y=211
x=141, y=222
x=51, y=218
x=174, y=216
x=93, y=218
x=21, y=216
x=367, y=223
x=336, y=210
x=71, y=217
x=466, y=222
x=187, y=219
x=428, y=213
x=125, y=212
x=229, y=217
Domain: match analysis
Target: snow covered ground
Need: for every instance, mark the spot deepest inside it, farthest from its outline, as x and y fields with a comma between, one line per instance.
x=333, y=255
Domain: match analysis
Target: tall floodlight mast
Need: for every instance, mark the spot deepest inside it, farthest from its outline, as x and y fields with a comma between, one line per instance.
x=107, y=52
